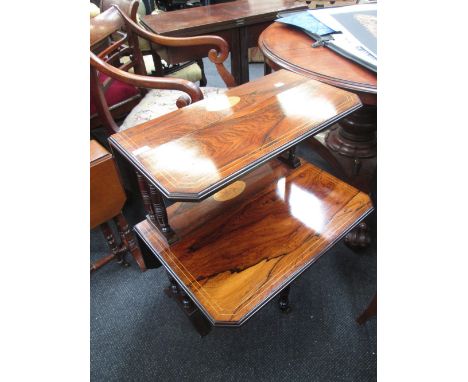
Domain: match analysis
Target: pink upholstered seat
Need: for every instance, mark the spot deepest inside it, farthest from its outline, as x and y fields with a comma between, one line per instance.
x=116, y=92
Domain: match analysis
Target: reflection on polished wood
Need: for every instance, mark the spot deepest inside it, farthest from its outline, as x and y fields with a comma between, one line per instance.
x=352, y=141
x=289, y=48
x=239, y=23
x=217, y=16
x=191, y=153
x=233, y=256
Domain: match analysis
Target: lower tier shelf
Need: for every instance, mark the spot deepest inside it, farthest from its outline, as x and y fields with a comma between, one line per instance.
x=240, y=247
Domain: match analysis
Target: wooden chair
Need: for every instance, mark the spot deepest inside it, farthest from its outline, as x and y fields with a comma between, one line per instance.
x=129, y=7
x=121, y=96
x=107, y=198
x=192, y=70
x=113, y=35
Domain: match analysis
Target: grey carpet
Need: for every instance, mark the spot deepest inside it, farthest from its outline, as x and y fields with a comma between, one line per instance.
x=139, y=334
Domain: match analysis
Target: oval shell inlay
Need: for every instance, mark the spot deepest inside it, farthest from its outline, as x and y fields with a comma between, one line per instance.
x=230, y=192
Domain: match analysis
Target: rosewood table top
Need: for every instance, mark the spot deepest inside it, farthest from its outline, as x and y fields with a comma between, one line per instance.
x=288, y=48
x=239, y=23
x=215, y=17
x=235, y=254
x=193, y=152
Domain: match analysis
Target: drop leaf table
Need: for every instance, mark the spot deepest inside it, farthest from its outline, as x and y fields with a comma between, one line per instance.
x=107, y=198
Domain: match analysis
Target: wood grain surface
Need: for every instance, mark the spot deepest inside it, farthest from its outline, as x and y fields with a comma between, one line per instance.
x=217, y=16
x=233, y=256
x=289, y=48
x=239, y=23
x=193, y=152
x=351, y=143
x=107, y=196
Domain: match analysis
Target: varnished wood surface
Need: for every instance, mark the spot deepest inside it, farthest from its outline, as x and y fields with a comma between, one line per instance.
x=239, y=23
x=107, y=196
x=288, y=48
x=192, y=152
x=218, y=16
x=97, y=153
x=353, y=141
x=234, y=255
x=114, y=21
x=101, y=26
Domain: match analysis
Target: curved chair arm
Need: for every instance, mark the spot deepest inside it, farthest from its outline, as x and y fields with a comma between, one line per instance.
x=146, y=81
x=192, y=90
x=217, y=56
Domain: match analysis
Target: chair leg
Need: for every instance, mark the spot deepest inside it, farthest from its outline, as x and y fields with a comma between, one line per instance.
x=203, y=80
x=158, y=68
x=101, y=262
x=129, y=239
x=106, y=230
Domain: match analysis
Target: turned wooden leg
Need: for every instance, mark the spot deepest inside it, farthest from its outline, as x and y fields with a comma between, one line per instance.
x=359, y=237
x=142, y=185
x=291, y=159
x=198, y=320
x=101, y=262
x=186, y=301
x=284, y=300
x=196, y=317
x=353, y=141
x=109, y=236
x=116, y=251
x=160, y=215
x=370, y=311
x=129, y=239
x=155, y=209
x=173, y=288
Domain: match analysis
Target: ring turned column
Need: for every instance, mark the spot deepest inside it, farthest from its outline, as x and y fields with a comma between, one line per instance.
x=355, y=136
x=354, y=143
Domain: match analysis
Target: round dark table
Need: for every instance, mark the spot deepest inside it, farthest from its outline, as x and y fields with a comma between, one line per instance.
x=352, y=143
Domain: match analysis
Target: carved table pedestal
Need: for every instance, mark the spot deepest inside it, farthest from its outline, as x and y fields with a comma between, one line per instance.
x=353, y=141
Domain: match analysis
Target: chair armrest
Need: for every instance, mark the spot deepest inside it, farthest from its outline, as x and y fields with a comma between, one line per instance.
x=217, y=55
x=140, y=81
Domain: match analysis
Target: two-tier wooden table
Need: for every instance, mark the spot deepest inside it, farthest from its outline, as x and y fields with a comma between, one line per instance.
x=353, y=140
x=243, y=224
x=239, y=22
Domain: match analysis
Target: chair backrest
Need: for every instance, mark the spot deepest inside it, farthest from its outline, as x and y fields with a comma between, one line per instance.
x=129, y=7
x=113, y=35
x=111, y=41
